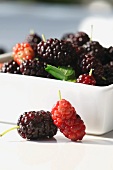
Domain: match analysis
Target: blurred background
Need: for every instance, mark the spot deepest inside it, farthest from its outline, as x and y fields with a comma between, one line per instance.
x=53, y=18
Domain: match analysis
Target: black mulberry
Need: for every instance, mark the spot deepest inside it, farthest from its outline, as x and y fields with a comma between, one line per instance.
x=34, y=68
x=89, y=62
x=10, y=67
x=33, y=39
x=56, y=52
x=78, y=38
x=36, y=125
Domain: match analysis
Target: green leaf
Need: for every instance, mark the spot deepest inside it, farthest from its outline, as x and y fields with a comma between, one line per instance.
x=62, y=73
x=68, y=72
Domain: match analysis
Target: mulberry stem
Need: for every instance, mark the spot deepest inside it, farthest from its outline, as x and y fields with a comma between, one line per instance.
x=90, y=73
x=59, y=93
x=31, y=31
x=91, y=32
x=43, y=38
x=15, y=127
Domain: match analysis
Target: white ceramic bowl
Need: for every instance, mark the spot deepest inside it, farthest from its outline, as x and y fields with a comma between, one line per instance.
x=19, y=93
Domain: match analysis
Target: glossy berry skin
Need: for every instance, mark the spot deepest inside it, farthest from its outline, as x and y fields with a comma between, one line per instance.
x=67, y=120
x=22, y=51
x=86, y=79
x=34, y=67
x=96, y=49
x=10, y=67
x=61, y=111
x=78, y=39
x=73, y=129
x=34, y=125
x=89, y=62
x=56, y=52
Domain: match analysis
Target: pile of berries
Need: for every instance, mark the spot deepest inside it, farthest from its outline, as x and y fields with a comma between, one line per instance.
x=31, y=57
x=36, y=125
x=91, y=55
x=75, y=50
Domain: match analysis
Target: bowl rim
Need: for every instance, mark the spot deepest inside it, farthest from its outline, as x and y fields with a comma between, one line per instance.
x=10, y=75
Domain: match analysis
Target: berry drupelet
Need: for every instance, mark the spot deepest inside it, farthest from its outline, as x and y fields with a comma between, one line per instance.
x=10, y=67
x=34, y=68
x=36, y=125
x=57, y=52
x=67, y=120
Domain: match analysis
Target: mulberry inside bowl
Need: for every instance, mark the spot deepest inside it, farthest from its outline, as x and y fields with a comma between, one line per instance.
x=19, y=93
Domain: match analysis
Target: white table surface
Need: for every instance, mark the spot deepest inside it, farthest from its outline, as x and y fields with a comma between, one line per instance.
x=58, y=153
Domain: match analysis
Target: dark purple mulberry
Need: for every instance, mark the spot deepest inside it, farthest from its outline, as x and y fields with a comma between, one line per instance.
x=97, y=50
x=33, y=39
x=10, y=67
x=90, y=62
x=34, y=68
x=78, y=38
x=56, y=52
x=36, y=125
